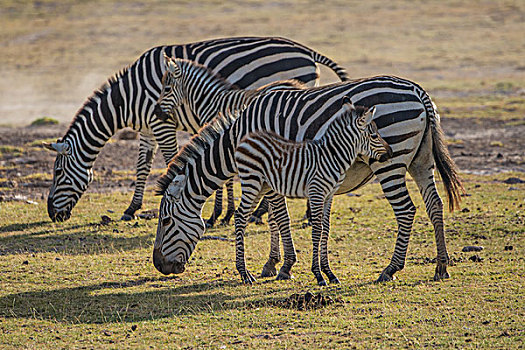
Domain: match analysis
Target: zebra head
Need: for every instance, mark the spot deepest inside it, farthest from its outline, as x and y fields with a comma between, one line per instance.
x=179, y=229
x=171, y=95
x=70, y=179
x=370, y=143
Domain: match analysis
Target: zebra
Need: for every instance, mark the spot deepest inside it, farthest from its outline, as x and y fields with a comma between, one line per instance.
x=309, y=169
x=129, y=97
x=407, y=120
x=206, y=94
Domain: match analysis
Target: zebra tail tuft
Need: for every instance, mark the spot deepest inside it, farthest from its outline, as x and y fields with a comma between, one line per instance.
x=446, y=166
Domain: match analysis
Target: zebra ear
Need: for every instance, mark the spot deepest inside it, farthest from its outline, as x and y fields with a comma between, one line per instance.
x=367, y=117
x=173, y=67
x=59, y=147
x=175, y=188
x=348, y=106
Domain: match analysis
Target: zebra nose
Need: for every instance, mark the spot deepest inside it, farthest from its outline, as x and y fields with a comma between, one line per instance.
x=165, y=267
x=160, y=113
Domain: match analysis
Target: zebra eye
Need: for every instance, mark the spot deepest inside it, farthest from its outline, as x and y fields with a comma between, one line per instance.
x=166, y=221
x=58, y=171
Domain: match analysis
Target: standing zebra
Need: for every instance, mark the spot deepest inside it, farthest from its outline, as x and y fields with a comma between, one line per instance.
x=206, y=95
x=128, y=100
x=406, y=119
x=309, y=169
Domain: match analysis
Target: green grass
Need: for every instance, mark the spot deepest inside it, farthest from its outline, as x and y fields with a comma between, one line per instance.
x=82, y=284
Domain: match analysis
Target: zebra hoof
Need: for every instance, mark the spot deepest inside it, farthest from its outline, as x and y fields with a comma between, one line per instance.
x=282, y=276
x=127, y=217
x=225, y=222
x=335, y=280
x=385, y=277
x=247, y=278
x=441, y=272
x=268, y=271
x=209, y=225
x=322, y=283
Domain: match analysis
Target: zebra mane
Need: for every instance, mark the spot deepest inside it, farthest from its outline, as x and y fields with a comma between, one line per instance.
x=198, y=143
x=93, y=100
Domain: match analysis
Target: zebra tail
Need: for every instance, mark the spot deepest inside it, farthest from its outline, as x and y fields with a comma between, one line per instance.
x=325, y=61
x=446, y=166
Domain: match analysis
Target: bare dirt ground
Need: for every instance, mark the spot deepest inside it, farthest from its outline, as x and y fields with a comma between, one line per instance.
x=480, y=146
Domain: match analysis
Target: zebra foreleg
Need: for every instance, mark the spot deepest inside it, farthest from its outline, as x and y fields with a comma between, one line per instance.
x=217, y=209
x=231, y=203
x=404, y=210
x=325, y=262
x=241, y=214
x=279, y=212
x=147, y=149
x=317, y=231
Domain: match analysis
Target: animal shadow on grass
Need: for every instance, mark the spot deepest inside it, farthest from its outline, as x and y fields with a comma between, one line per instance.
x=68, y=239
x=115, y=302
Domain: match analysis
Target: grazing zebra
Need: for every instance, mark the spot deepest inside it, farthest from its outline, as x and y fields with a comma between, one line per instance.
x=207, y=95
x=309, y=169
x=128, y=100
x=406, y=119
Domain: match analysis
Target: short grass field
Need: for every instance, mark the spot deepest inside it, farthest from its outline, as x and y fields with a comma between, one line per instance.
x=90, y=283
x=83, y=284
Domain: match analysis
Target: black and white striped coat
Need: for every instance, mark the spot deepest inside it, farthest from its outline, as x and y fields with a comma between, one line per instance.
x=129, y=98
x=406, y=119
x=311, y=169
x=206, y=95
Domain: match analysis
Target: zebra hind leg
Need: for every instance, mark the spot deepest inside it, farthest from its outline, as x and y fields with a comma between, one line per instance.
x=325, y=262
x=394, y=188
x=147, y=148
x=317, y=230
x=279, y=214
x=259, y=212
x=231, y=203
x=269, y=269
x=422, y=171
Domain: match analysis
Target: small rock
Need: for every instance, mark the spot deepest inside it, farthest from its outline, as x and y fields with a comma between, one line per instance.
x=116, y=231
x=513, y=189
x=134, y=327
x=107, y=333
x=58, y=258
x=476, y=258
x=472, y=248
x=105, y=219
x=465, y=210
x=508, y=247
x=513, y=181
x=110, y=211
x=477, y=186
x=499, y=156
x=25, y=262
x=136, y=224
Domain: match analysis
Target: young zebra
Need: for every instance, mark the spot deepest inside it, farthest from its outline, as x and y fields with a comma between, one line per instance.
x=128, y=100
x=308, y=169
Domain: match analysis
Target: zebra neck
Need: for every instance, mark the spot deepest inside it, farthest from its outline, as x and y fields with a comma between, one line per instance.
x=214, y=98
x=213, y=167
x=337, y=146
x=95, y=123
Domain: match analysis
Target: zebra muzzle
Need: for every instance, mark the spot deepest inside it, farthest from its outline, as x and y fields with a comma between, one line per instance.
x=164, y=266
x=157, y=110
